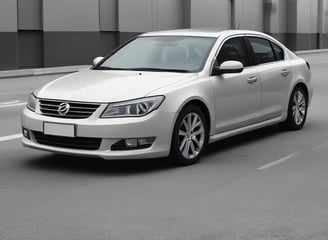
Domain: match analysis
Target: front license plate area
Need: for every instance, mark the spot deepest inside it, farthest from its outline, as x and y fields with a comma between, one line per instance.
x=56, y=129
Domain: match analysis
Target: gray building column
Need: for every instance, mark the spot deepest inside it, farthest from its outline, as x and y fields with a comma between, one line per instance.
x=302, y=18
x=249, y=14
x=275, y=19
x=8, y=35
x=210, y=14
x=322, y=23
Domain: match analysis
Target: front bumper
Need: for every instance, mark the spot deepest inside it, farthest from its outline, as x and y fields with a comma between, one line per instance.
x=157, y=124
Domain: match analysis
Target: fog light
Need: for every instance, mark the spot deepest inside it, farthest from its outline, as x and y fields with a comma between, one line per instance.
x=133, y=143
x=26, y=133
x=142, y=141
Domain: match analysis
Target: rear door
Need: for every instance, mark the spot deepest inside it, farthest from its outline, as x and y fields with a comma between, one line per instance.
x=275, y=75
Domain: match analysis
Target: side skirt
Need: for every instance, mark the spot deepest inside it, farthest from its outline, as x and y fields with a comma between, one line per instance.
x=248, y=128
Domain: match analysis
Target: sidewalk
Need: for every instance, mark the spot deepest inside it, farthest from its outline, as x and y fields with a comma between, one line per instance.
x=70, y=69
x=41, y=71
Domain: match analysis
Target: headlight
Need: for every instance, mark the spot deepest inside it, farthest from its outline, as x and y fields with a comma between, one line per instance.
x=134, y=108
x=31, y=103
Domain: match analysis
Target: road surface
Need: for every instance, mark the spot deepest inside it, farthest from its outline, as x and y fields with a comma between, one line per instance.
x=267, y=184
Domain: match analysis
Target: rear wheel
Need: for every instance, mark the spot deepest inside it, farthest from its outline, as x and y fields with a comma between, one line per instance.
x=190, y=136
x=297, y=110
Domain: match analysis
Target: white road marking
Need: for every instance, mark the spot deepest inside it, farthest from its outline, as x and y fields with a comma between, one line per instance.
x=320, y=146
x=278, y=161
x=10, y=137
x=11, y=102
x=12, y=105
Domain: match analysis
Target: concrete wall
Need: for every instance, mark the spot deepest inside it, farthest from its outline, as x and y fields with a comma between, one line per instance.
x=8, y=34
x=249, y=14
x=135, y=16
x=210, y=14
x=170, y=14
x=36, y=33
x=70, y=15
x=150, y=15
x=8, y=16
x=30, y=14
x=108, y=15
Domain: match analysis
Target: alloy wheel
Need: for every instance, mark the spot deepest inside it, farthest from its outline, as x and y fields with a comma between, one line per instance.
x=191, y=136
x=299, y=107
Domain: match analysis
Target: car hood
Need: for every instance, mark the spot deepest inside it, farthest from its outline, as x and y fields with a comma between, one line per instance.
x=109, y=86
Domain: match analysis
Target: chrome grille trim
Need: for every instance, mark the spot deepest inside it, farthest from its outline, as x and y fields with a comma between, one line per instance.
x=78, y=110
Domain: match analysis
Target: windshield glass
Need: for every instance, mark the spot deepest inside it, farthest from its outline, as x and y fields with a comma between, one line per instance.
x=168, y=53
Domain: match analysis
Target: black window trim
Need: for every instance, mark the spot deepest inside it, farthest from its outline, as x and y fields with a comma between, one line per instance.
x=224, y=41
x=274, y=52
x=251, y=52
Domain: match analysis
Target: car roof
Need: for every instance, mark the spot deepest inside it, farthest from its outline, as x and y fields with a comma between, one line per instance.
x=206, y=32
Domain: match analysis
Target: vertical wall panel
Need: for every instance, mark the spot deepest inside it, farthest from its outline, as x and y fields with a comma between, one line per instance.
x=277, y=15
x=292, y=16
x=135, y=15
x=8, y=50
x=8, y=34
x=30, y=49
x=71, y=15
x=8, y=16
x=75, y=48
x=249, y=14
x=210, y=14
x=30, y=14
x=108, y=15
x=170, y=14
x=307, y=16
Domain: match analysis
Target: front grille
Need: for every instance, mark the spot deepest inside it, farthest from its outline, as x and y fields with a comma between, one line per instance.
x=77, y=110
x=82, y=143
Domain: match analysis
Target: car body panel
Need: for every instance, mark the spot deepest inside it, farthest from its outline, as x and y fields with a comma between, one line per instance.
x=274, y=88
x=106, y=86
x=234, y=105
x=237, y=102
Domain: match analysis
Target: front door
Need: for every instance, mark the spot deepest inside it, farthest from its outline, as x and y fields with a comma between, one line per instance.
x=237, y=95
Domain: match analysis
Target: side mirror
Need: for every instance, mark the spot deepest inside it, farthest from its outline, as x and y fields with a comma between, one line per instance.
x=228, y=67
x=97, y=60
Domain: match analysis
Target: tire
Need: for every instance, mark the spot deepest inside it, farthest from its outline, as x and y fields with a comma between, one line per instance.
x=190, y=136
x=297, y=110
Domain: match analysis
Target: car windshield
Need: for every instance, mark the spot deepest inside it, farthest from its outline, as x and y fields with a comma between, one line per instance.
x=168, y=53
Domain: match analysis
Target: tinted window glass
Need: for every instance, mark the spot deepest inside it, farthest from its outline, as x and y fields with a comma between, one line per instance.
x=233, y=50
x=279, y=52
x=262, y=50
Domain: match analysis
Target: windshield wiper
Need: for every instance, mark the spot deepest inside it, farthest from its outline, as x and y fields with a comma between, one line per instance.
x=109, y=68
x=158, y=69
x=143, y=69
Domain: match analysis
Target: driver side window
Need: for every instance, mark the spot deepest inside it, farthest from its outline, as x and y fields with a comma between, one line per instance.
x=233, y=50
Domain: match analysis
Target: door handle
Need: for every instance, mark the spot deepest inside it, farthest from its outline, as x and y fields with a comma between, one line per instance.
x=252, y=80
x=284, y=72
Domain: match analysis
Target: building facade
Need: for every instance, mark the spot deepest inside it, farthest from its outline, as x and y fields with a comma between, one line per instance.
x=46, y=33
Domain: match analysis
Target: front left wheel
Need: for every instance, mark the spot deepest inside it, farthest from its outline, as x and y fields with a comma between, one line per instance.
x=190, y=136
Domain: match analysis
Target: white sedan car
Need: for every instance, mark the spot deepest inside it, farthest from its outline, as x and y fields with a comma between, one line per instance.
x=170, y=93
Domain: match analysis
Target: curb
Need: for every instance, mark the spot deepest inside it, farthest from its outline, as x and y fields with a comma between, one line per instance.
x=325, y=50
x=41, y=71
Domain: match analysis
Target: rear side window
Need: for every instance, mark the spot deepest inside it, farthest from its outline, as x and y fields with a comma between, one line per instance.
x=262, y=50
x=278, y=51
x=233, y=50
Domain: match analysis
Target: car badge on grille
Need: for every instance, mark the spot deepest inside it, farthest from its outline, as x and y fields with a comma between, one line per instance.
x=63, y=108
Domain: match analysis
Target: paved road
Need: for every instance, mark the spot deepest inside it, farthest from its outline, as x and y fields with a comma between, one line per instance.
x=233, y=193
